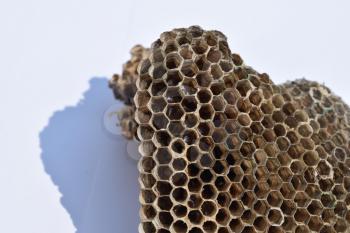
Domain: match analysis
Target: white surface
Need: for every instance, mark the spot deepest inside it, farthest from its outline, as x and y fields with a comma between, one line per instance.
x=50, y=51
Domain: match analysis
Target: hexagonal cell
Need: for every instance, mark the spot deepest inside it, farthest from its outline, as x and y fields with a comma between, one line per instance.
x=194, y=185
x=179, y=164
x=340, y=226
x=165, y=218
x=164, y=172
x=160, y=121
x=189, y=103
x=219, y=135
x=219, y=167
x=206, y=176
x=145, y=132
x=186, y=52
x=230, y=97
x=176, y=128
x=301, y=215
x=305, y=130
x=275, y=217
x=171, y=46
x=301, y=199
x=339, y=192
x=192, y=153
x=218, y=103
x=147, y=164
x=191, y=120
x=208, y=191
x=179, y=194
x=274, y=198
x=260, y=223
x=248, y=182
x=217, y=88
x=163, y=187
x=189, y=86
x=178, y=146
x=236, y=190
x=261, y=189
x=243, y=86
x=247, y=149
x=311, y=158
x=173, y=95
x=208, y=208
x=202, y=63
x=288, y=207
x=235, y=174
x=297, y=167
x=199, y=46
x=206, y=160
x=147, y=196
x=163, y=156
x=158, y=104
x=244, y=105
x=142, y=98
x=313, y=191
x=162, y=138
x=164, y=203
x=194, y=201
x=193, y=169
x=223, y=198
x=295, y=151
x=236, y=225
x=179, y=179
x=180, y=226
x=248, y=217
x=158, y=71
x=214, y=55
x=204, y=79
x=274, y=181
x=244, y=119
x=298, y=182
x=147, y=180
x=204, y=96
x=190, y=137
x=221, y=183
x=206, y=143
x=206, y=112
x=174, y=112
x=173, y=78
x=219, y=119
x=247, y=166
x=143, y=115
x=189, y=68
x=172, y=61
x=209, y=226
x=283, y=143
x=205, y=128
x=148, y=227
x=147, y=148
x=158, y=88
x=323, y=168
x=148, y=212
x=222, y=216
x=260, y=157
x=287, y=191
x=261, y=207
x=248, y=198
x=285, y=173
x=315, y=207
x=216, y=71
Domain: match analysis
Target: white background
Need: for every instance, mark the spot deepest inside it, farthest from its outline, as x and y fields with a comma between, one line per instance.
x=60, y=171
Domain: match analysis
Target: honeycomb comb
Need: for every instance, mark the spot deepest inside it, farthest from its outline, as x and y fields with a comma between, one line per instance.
x=224, y=149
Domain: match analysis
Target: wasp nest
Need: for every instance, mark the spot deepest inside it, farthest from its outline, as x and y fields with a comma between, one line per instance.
x=224, y=149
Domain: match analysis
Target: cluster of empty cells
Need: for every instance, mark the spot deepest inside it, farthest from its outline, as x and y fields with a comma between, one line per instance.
x=225, y=150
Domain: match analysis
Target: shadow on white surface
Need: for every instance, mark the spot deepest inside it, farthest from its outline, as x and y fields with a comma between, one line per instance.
x=90, y=166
